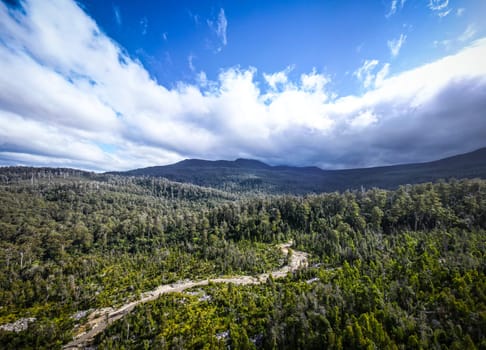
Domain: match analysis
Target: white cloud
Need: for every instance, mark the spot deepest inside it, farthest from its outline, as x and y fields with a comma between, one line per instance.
x=66, y=90
x=460, y=11
x=365, y=72
x=396, y=44
x=382, y=74
x=202, y=79
x=313, y=81
x=444, y=13
x=394, y=7
x=275, y=79
x=440, y=7
x=363, y=119
x=220, y=28
x=190, y=62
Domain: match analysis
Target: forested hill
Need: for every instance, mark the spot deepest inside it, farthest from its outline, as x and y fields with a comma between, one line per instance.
x=245, y=174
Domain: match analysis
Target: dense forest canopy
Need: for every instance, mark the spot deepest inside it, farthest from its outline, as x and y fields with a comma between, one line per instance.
x=389, y=269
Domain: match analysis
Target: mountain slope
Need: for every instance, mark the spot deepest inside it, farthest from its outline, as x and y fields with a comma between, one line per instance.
x=245, y=174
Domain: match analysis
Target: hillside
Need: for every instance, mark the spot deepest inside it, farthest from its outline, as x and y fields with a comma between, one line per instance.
x=245, y=174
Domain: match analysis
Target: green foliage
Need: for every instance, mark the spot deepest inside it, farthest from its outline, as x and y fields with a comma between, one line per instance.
x=389, y=269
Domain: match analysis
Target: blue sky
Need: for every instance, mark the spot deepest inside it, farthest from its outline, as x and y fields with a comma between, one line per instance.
x=117, y=85
x=176, y=39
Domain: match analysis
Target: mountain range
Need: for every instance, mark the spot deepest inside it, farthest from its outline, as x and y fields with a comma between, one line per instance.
x=248, y=174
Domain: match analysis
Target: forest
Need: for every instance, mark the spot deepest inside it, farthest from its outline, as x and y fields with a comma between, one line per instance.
x=388, y=269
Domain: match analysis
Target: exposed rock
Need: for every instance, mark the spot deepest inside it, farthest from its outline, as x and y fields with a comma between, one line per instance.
x=222, y=335
x=19, y=325
x=80, y=314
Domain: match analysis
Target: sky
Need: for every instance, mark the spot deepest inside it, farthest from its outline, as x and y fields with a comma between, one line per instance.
x=117, y=85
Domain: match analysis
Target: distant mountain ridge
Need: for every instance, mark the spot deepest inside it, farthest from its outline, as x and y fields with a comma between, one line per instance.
x=238, y=163
x=248, y=174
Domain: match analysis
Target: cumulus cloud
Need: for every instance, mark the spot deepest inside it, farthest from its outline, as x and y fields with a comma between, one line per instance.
x=313, y=81
x=277, y=78
x=67, y=91
x=396, y=44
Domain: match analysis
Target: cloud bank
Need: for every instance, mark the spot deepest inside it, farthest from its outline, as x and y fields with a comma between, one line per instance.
x=70, y=96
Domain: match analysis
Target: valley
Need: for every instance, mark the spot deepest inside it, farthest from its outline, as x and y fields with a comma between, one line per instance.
x=137, y=262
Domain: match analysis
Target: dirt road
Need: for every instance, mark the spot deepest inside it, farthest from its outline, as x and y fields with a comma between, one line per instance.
x=99, y=319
